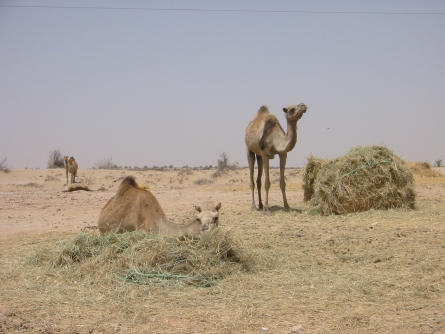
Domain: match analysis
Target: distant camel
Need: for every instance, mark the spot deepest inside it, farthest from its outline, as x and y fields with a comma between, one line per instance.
x=264, y=138
x=70, y=167
x=133, y=209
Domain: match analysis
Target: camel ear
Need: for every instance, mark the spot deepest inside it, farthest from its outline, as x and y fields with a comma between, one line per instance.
x=218, y=206
x=198, y=208
x=285, y=110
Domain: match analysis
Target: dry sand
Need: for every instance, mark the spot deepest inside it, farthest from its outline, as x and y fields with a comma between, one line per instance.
x=32, y=201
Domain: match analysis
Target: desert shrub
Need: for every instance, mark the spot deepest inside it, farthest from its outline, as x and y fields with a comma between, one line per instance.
x=55, y=159
x=185, y=171
x=51, y=178
x=371, y=177
x=3, y=166
x=105, y=163
x=438, y=163
x=201, y=182
x=224, y=165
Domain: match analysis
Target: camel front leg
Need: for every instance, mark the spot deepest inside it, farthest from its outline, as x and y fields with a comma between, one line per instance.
x=266, y=182
x=258, y=180
x=251, y=161
x=283, y=158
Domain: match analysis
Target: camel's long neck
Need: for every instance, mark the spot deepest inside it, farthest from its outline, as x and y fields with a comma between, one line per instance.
x=168, y=227
x=291, y=137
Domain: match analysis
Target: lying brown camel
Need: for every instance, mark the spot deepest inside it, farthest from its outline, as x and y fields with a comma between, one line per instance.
x=133, y=209
x=79, y=186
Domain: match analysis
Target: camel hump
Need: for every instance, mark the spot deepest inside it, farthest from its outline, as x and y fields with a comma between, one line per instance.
x=268, y=128
x=263, y=109
x=127, y=183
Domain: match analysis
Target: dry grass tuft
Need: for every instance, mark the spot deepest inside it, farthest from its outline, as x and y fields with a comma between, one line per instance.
x=51, y=178
x=367, y=177
x=423, y=169
x=201, y=182
x=144, y=258
x=33, y=185
x=144, y=186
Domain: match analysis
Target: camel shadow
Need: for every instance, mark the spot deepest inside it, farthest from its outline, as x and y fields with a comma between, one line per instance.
x=277, y=208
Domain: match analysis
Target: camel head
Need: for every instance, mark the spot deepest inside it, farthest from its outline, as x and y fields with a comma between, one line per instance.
x=295, y=112
x=208, y=215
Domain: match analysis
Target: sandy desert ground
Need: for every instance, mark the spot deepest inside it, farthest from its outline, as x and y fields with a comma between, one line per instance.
x=393, y=279
x=33, y=201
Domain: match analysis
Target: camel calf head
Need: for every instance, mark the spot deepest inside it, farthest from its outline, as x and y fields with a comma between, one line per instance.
x=208, y=215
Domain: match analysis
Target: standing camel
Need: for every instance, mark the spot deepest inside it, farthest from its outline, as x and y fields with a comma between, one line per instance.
x=264, y=138
x=70, y=167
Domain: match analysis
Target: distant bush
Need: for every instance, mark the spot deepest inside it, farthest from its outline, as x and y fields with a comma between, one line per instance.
x=105, y=163
x=185, y=171
x=3, y=167
x=55, y=159
x=438, y=163
x=224, y=166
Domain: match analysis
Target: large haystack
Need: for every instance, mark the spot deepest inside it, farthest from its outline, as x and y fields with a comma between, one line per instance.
x=370, y=177
x=310, y=173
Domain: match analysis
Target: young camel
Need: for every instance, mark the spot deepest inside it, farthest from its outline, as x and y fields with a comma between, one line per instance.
x=133, y=209
x=264, y=138
x=70, y=167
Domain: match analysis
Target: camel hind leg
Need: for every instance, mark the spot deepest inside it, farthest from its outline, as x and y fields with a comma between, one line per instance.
x=265, y=164
x=283, y=158
x=251, y=161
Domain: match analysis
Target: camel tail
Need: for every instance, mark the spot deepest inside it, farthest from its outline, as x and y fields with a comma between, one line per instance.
x=127, y=183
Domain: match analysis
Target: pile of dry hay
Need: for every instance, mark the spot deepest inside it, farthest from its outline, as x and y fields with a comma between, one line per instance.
x=310, y=173
x=370, y=177
x=144, y=258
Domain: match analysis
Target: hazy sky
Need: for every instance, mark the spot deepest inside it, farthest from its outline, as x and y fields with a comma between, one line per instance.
x=178, y=87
